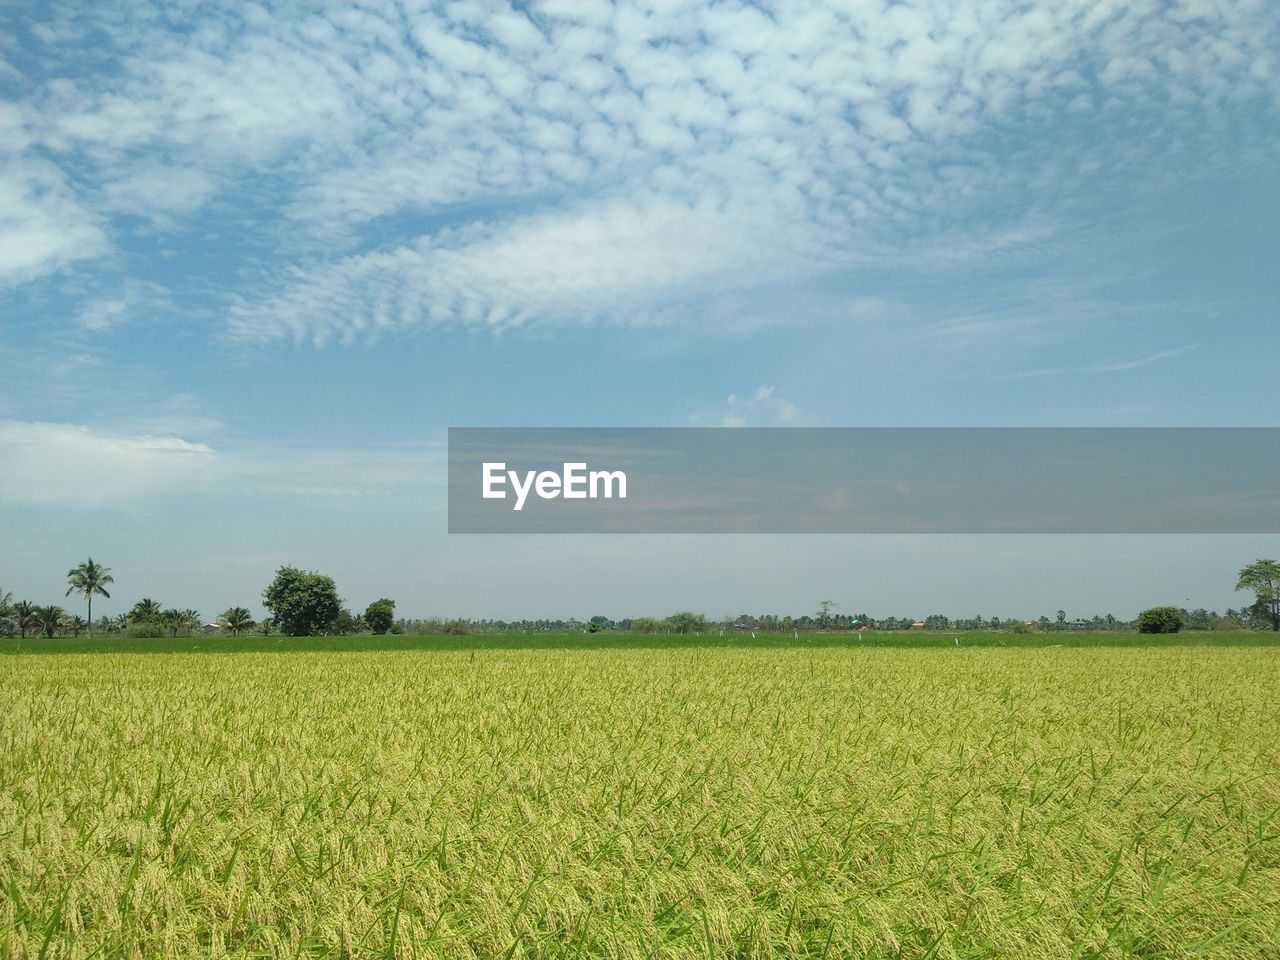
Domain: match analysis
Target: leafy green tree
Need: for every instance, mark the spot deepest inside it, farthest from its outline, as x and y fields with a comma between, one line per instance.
x=87, y=579
x=237, y=620
x=684, y=621
x=266, y=626
x=1263, y=578
x=1160, y=620
x=380, y=615
x=645, y=624
x=346, y=624
x=937, y=621
x=303, y=603
x=49, y=619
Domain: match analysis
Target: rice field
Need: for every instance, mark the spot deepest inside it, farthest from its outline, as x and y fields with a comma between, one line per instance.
x=952, y=802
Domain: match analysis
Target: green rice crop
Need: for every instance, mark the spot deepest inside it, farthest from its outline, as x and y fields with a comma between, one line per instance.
x=828, y=801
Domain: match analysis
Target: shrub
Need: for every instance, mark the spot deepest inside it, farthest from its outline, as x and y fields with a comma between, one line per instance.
x=1160, y=620
x=145, y=630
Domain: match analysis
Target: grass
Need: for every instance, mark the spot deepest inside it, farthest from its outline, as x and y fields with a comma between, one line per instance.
x=208, y=643
x=487, y=800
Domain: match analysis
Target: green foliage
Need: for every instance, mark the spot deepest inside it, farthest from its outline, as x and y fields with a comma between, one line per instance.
x=180, y=620
x=146, y=610
x=237, y=620
x=23, y=613
x=684, y=621
x=1160, y=620
x=456, y=628
x=50, y=619
x=645, y=624
x=380, y=615
x=87, y=579
x=346, y=624
x=303, y=603
x=1263, y=578
x=146, y=630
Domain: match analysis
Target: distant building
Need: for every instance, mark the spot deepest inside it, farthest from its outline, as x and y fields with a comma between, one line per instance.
x=917, y=625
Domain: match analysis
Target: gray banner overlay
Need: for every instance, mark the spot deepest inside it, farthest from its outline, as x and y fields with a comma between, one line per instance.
x=864, y=480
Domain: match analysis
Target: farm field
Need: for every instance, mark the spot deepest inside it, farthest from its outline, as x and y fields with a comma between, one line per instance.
x=478, y=799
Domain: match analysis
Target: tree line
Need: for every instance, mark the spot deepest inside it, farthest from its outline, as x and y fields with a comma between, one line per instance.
x=300, y=603
x=306, y=603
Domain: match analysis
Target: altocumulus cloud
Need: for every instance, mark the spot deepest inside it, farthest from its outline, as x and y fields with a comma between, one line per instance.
x=493, y=166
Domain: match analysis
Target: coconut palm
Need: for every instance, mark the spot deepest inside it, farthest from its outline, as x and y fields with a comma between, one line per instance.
x=145, y=610
x=87, y=579
x=77, y=623
x=172, y=619
x=237, y=620
x=24, y=612
x=49, y=619
x=120, y=621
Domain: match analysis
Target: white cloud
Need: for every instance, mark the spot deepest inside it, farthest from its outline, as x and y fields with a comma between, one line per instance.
x=42, y=224
x=69, y=464
x=763, y=408
x=132, y=300
x=420, y=158
x=74, y=465
x=618, y=259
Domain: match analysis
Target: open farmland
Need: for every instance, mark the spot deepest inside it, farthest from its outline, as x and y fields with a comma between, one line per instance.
x=631, y=802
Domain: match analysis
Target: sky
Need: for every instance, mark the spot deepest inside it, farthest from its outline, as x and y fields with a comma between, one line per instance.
x=256, y=259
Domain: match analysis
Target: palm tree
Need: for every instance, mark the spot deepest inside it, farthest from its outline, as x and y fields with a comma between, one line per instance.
x=145, y=610
x=120, y=621
x=77, y=623
x=24, y=611
x=49, y=619
x=87, y=579
x=190, y=619
x=237, y=620
x=172, y=619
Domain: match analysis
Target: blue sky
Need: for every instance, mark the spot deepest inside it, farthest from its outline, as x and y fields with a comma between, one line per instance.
x=254, y=261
